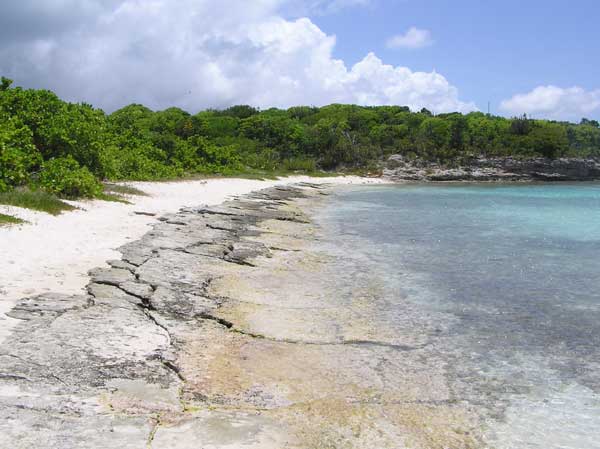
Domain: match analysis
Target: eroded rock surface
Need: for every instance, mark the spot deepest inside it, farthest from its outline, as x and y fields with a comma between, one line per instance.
x=221, y=328
x=399, y=168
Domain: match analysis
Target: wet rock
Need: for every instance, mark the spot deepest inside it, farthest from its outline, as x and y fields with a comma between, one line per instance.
x=244, y=252
x=218, y=328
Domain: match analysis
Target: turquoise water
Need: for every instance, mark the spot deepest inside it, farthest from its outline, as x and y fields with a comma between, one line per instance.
x=515, y=271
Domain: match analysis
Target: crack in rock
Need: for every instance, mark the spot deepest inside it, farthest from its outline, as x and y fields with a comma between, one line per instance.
x=221, y=321
x=118, y=293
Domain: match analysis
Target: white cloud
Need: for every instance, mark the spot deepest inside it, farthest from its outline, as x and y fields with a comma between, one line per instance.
x=554, y=102
x=328, y=6
x=208, y=53
x=413, y=38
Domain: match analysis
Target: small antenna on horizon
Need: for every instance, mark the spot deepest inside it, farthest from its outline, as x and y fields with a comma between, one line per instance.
x=488, y=108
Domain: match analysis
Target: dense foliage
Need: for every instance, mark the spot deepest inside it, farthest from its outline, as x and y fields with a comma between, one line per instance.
x=65, y=148
x=64, y=176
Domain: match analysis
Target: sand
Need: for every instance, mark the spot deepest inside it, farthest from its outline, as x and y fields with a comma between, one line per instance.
x=54, y=254
x=252, y=324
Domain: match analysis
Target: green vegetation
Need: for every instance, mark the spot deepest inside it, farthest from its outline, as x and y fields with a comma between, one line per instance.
x=118, y=192
x=115, y=198
x=34, y=199
x=8, y=220
x=121, y=189
x=66, y=149
x=63, y=176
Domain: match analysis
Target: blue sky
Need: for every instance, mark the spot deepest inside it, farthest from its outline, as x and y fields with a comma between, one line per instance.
x=529, y=56
x=490, y=50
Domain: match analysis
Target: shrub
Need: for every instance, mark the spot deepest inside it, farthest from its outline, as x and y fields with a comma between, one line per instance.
x=261, y=159
x=79, y=131
x=136, y=160
x=300, y=164
x=215, y=159
x=18, y=155
x=8, y=220
x=64, y=177
x=34, y=199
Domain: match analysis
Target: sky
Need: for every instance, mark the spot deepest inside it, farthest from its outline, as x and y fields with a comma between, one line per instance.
x=533, y=56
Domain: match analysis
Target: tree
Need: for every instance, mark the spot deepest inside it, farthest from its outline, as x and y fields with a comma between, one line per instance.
x=78, y=131
x=5, y=83
x=521, y=126
x=240, y=111
x=214, y=126
x=549, y=140
x=19, y=158
x=594, y=123
x=137, y=143
x=302, y=113
x=134, y=119
x=458, y=130
x=276, y=131
x=388, y=135
x=433, y=136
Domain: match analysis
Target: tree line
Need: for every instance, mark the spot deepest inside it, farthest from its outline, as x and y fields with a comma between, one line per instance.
x=67, y=148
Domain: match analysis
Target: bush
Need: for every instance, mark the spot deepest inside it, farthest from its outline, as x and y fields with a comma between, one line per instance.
x=18, y=155
x=136, y=143
x=549, y=140
x=300, y=164
x=215, y=159
x=34, y=199
x=78, y=131
x=64, y=177
x=261, y=159
x=136, y=160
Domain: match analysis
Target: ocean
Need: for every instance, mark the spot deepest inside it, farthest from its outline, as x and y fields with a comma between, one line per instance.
x=503, y=282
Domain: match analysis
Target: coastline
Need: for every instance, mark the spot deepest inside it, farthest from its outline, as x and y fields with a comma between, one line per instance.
x=54, y=253
x=222, y=325
x=494, y=170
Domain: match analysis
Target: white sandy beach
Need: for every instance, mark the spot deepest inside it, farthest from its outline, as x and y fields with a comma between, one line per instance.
x=54, y=253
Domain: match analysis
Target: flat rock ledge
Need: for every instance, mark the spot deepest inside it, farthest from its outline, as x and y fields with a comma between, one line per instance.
x=172, y=348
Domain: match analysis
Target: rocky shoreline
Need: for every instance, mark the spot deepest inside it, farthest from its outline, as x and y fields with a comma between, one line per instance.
x=220, y=328
x=397, y=168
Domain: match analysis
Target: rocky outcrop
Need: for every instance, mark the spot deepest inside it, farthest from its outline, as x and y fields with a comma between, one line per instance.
x=225, y=327
x=101, y=369
x=398, y=168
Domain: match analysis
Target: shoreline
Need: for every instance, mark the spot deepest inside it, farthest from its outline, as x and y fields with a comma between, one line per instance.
x=498, y=169
x=191, y=338
x=54, y=253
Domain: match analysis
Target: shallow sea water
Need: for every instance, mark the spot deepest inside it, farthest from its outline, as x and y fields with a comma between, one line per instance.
x=510, y=275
